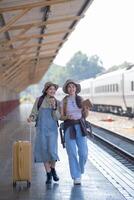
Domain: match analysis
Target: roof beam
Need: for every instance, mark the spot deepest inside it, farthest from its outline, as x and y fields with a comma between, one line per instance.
x=21, y=75
x=16, y=71
x=2, y=23
x=8, y=71
x=24, y=58
x=16, y=62
x=10, y=51
x=32, y=5
x=13, y=60
x=24, y=37
x=46, y=56
x=13, y=20
x=48, y=22
x=46, y=13
x=32, y=52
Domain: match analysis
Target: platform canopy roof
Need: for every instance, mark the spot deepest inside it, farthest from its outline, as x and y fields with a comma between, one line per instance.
x=31, y=35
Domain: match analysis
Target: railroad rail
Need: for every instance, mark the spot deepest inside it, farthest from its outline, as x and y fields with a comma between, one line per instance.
x=116, y=145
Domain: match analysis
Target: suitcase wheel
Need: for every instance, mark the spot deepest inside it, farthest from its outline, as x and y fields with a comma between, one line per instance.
x=14, y=184
x=28, y=184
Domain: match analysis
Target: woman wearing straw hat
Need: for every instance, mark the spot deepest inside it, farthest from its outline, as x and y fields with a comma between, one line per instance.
x=71, y=113
x=46, y=113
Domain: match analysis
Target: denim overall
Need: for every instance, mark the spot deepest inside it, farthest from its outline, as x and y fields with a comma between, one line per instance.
x=74, y=147
x=46, y=137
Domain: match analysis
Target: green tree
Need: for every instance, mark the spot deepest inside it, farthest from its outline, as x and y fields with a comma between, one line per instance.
x=81, y=67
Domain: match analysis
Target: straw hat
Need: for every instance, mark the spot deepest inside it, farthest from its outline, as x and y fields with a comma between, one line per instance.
x=49, y=84
x=78, y=87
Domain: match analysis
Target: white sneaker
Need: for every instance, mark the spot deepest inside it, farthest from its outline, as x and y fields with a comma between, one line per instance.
x=77, y=181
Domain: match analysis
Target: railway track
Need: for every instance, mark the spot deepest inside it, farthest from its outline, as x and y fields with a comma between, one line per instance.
x=116, y=145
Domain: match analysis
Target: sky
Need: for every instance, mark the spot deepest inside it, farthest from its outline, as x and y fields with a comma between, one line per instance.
x=106, y=30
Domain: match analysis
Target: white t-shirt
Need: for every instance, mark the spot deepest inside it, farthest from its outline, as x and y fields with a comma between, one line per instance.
x=72, y=108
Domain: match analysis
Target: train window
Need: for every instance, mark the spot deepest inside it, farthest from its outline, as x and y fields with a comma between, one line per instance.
x=107, y=88
x=110, y=88
x=113, y=87
x=104, y=88
x=117, y=87
x=132, y=85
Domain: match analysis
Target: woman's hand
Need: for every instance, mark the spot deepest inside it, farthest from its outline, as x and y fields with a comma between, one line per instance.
x=86, y=104
x=30, y=119
x=53, y=102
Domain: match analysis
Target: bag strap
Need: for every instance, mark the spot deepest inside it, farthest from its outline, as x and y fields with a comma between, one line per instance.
x=65, y=105
x=41, y=98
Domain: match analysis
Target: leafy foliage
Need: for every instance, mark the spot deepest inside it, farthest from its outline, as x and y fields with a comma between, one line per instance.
x=80, y=67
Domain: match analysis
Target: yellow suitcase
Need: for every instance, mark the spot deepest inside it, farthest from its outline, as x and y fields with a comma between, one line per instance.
x=22, y=162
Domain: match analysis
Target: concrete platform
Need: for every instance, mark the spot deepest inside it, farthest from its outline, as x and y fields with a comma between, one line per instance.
x=94, y=185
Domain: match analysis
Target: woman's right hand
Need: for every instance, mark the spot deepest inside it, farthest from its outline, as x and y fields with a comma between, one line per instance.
x=30, y=119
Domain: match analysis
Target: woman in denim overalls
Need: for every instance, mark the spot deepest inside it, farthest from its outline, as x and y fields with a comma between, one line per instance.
x=46, y=116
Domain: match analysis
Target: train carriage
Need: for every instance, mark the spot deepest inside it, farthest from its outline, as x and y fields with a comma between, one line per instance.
x=108, y=92
x=112, y=92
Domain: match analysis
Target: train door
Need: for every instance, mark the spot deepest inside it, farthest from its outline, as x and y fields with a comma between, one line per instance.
x=129, y=91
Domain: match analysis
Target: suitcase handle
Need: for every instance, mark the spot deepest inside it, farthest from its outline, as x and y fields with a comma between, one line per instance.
x=30, y=130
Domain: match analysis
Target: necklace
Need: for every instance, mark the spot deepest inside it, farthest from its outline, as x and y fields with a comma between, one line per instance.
x=72, y=102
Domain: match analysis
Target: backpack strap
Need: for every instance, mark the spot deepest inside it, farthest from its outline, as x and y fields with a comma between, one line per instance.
x=64, y=117
x=65, y=105
x=41, y=98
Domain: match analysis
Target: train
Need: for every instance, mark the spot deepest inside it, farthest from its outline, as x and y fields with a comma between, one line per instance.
x=111, y=92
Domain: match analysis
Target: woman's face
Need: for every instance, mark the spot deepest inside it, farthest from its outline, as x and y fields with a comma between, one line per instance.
x=71, y=88
x=51, y=91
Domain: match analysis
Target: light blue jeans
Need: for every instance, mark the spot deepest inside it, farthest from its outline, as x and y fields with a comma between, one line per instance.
x=77, y=151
